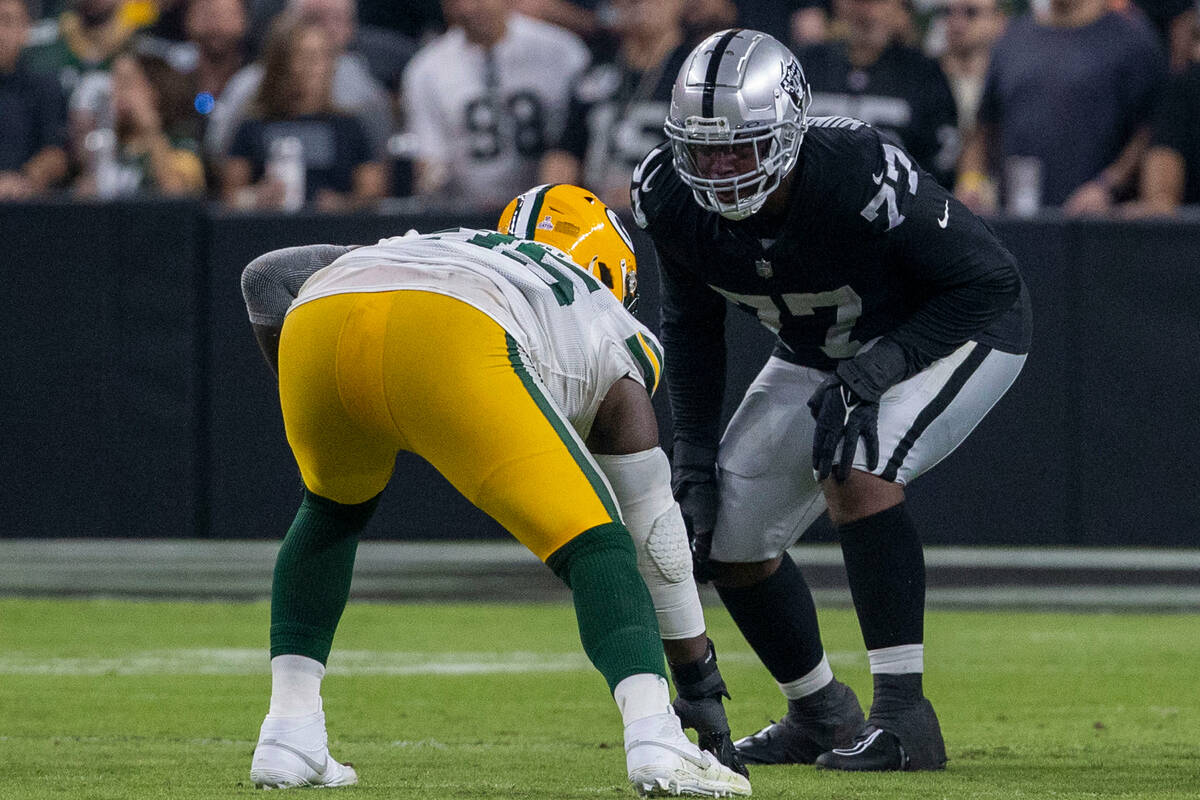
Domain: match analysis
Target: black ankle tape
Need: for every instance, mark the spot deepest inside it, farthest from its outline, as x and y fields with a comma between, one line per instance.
x=894, y=692
x=700, y=678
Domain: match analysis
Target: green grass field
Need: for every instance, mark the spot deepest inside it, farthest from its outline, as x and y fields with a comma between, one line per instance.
x=131, y=700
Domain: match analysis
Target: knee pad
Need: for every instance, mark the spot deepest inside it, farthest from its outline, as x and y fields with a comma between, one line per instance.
x=642, y=484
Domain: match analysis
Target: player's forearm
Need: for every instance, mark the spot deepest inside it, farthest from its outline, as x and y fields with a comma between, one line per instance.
x=944, y=324
x=696, y=390
x=695, y=357
x=693, y=338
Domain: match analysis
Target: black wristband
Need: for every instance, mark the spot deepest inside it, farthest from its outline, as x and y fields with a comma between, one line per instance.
x=871, y=373
x=692, y=463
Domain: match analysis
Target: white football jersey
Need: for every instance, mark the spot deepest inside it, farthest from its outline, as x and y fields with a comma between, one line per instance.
x=488, y=116
x=569, y=327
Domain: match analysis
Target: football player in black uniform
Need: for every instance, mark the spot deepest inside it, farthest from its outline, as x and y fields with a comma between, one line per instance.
x=900, y=319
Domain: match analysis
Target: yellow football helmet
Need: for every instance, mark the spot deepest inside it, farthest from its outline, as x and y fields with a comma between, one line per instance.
x=576, y=222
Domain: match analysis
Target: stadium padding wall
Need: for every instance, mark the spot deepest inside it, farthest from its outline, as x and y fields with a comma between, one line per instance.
x=135, y=402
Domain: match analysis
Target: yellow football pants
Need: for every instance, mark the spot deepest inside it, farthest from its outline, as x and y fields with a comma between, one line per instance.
x=363, y=376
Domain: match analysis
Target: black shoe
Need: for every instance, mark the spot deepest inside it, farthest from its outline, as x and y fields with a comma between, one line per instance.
x=813, y=725
x=707, y=717
x=909, y=740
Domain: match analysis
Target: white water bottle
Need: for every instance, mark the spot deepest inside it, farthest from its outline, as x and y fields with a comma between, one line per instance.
x=286, y=165
x=101, y=147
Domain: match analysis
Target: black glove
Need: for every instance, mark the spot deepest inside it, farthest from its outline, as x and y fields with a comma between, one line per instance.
x=842, y=418
x=698, y=502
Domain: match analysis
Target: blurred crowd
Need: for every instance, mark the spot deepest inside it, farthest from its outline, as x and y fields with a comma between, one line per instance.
x=1091, y=106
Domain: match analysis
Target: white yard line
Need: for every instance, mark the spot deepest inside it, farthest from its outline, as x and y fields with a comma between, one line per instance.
x=250, y=661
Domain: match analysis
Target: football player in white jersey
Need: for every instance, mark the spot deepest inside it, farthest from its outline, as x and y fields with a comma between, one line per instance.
x=520, y=376
x=485, y=101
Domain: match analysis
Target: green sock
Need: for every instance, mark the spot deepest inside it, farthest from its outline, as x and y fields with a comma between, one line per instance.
x=312, y=575
x=616, y=615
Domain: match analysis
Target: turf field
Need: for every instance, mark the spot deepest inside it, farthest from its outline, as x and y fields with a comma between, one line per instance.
x=131, y=700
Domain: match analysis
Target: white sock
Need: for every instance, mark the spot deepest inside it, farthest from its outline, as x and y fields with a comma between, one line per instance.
x=812, y=681
x=295, y=685
x=642, y=695
x=899, y=660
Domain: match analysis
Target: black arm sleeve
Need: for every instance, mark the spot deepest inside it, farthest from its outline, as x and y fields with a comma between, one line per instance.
x=693, y=338
x=967, y=277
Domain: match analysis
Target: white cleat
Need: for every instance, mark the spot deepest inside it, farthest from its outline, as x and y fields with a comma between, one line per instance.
x=294, y=751
x=662, y=762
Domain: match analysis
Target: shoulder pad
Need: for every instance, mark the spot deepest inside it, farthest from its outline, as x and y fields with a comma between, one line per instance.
x=896, y=180
x=655, y=184
x=835, y=122
x=863, y=176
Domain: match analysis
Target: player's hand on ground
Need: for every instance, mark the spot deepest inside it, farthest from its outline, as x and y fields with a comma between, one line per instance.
x=698, y=502
x=842, y=418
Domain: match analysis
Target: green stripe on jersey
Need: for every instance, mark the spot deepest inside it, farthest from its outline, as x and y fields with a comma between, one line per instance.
x=649, y=340
x=564, y=431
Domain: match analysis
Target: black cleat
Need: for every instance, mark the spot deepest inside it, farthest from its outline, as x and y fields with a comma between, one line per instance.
x=875, y=750
x=910, y=740
x=707, y=718
x=813, y=725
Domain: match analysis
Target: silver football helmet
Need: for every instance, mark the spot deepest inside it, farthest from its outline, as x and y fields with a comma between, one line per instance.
x=739, y=110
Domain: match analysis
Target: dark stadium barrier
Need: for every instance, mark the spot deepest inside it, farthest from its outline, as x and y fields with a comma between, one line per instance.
x=101, y=369
x=136, y=402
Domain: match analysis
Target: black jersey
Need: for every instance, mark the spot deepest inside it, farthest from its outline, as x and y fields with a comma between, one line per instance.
x=870, y=247
x=904, y=93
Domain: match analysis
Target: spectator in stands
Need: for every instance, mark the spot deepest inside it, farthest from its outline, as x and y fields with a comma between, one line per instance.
x=217, y=31
x=295, y=101
x=152, y=151
x=1073, y=88
x=384, y=52
x=581, y=17
x=971, y=29
x=1173, y=20
x=872, y=76
x=486, y=99
x=1170, y=175
x=416, y=19
x=87, y=39
x=702, y=17
x=32, y=115
x=160, y=19
x=618, y=106
x=354, y=88
x=799, y=22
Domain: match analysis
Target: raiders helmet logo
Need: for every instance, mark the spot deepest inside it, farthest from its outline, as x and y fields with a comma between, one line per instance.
x=793, y=82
